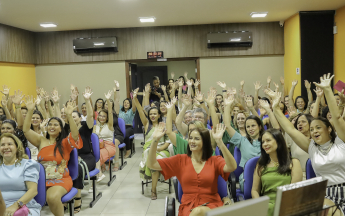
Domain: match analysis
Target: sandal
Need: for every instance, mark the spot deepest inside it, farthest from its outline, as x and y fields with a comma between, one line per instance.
x=77, y=208
x=116, y=168
x=153, y=195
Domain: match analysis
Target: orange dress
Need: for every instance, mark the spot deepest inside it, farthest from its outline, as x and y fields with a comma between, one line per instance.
x=197, y=188
x=57, y=173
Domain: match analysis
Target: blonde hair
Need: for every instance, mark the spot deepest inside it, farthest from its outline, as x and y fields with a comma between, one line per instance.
x=197, y=124
x=20, y=154
x=246, y=114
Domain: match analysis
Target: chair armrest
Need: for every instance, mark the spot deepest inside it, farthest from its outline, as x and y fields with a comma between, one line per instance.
x=169, y=206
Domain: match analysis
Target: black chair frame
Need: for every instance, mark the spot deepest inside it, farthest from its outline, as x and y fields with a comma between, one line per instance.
x=149, y=181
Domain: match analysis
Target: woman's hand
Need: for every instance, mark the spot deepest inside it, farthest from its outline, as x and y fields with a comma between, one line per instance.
x=135, y=93
x=307, y=84
x=70, y=107
x=5, y=90
x=196, y=103
x=211, y=96
x=74, y=94
x=319, y=92
x=189, y=83
x=221, y=84
x=325, y=81
x=269, y=79
x=282, y=81
x=18, y=97
x=4, y=101
x=198, y=96
x=291, y=110
x=276, y=85
x=218, y=132
x=270, y=93
x=117, y=86
x=30, y=102
x=44, y=124
x=257, y=85
x=265, y=105
x=172, y=75
x=294, y=82
x=159, y=131
x=87, y=93
x=180, y=83
x=38, y=100
x=242, y=83
x=173, y=100
x=242, y=94
x=186, y=100
x=163, y=88
x=55, y=96
x=249, y=101
x=170, y=105
x=228, y=101
x=108, y=95
x=197, y=83
x=11, y=210
x=148, y=88
x=276, y=100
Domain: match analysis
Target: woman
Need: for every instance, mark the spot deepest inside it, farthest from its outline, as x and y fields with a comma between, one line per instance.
x=249, y=145
x=85, y=154
x=10, y=126
x=150, y=125
x=326, y=149
x=217, y=103
x=18, y=176
x=301, y=103
x=127, y=113
x=54, y=154
x=36, y=121
x=274, y=168
x=105, y=132
x=239, y=121
x=197, y=170
x=83, y=112
x=170, y=88
x=118, y=135
x=99, y=105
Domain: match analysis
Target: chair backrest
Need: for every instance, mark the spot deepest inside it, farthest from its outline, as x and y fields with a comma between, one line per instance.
x=41, y=187
x=209, y=127
x=309, y=170
x=95, y=146
x=73, y=164
x=28, y=152
x=133, y=124
x=239, y=170
x=94, y=122
x=122, y=126
x=217, y=151
x=222, y=189
x=248, y=175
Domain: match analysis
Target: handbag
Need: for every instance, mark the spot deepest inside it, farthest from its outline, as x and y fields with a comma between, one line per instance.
x=23, y=211
x=101, y=143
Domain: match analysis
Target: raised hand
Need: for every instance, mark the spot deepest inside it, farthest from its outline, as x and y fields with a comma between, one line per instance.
x=221, y=84
x=307, y=84
x=117, y=85
x=318, y=91
x=218, y=131
x=233, y=91
x=72, y=87
x=180, y=83
x=249, y=101
x=269, y=79
x=159, y=131
x=44, y=123
x=276, y=100
x=242, y=93
x=270, y=93
x=70, y=107
x=38, y=100
x=294, y=82
x=174, y=100
x=169, y=105
x=29, y=102
x=197, y=83
x=325, y=81
x=185, y=75
x=5, y=90
x=87, y=93
x=189, y=83
x=282, y=80
x=257, y=85
x=135, y=92
x=229, y=100
x=198, y=95
x=265, y=105
x=242, y=83
x=108, y=95
x=196, y=102
x=172, y=75
x=147, y=88
x=291, y=110
x=4, y=101
x=211, y=96
x=18, y=97
x=186, y=100
x=163, y=88
x=276, y=85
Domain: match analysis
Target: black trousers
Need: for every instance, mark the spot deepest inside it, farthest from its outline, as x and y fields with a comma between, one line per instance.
x=129, y=132
x=90, y=161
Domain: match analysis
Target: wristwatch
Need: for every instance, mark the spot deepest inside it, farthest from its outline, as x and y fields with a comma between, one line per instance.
x=20, y=204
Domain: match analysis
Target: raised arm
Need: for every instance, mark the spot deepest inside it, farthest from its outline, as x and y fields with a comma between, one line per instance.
x=257, y=86
x=169, y=132
x=182, y=127
x=146, y=98
x=163, y=87
x=282, y=82
x=292, y=90
x=4, y=106
x=179, y=94
x=142, y=115
x=152, y=162
x=200, y=98
x=73, y=127
x=17, y=99
x=228, y=101
x=223, y=86
x=110, y=110
x=117, y=97
x=134, y=107
x=250, y=105
x=319, y=95
x=269, y=79
x=89, y=118
x=310, y=95
x=56, y=99
x=189, y=84
x=33, y=137
x=211, y=96
x=339, y=123
x=264, y=104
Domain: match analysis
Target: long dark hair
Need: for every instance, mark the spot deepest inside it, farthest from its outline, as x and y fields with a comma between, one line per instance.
x=283, y=155
x=207, y=150
x=309, y=118
x=3, y=111
x=96, y=103
x=184, y=80
x=327, y=124
x=259, y=122
x=168, y=87
x=38, y=113
x=59, y=138
x=123, y=104
x=324, y=112
x=305, y=102
x=159, y=112
x=17, y=132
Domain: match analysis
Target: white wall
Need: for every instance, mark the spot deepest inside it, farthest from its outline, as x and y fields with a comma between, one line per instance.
x=233, y=70
x=99, y=76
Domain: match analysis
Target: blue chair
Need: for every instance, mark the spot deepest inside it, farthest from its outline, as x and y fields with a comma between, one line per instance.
x=131, y=139
x=28, y=152
x=93, y=173
x=309, y=170
x=239, y=170
x=234, y=176
x=122, y=146
x=248, y=175
x=73, y=172
x=41, y=187
x=94, y=122
x=217, y=151
x=209, y=127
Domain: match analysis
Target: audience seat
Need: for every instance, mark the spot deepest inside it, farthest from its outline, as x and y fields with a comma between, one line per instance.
x=73, y=171
x=93, y=173
x=234, y=176
x=209, y=127
x=28, y=152
x=41, y=187
x=111, y=176
x=131, y=139
x=309, y=170
x=122, y=146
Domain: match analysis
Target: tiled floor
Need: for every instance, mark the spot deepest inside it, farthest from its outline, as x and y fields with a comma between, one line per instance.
x=124, y=197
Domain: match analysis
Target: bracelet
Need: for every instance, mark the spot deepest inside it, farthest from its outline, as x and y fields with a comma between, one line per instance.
x=117, y=89
x=18, y=106
x=225, y=90
x=201, y=102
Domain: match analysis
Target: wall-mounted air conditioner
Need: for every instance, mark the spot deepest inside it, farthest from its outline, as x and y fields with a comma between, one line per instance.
x=96, y=44
x=229, y=39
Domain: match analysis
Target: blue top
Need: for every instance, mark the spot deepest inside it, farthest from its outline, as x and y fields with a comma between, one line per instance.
x=248, y=150
x=127, y=116
x=12, y=182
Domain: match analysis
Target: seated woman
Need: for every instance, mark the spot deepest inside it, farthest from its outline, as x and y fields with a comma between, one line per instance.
x=127, y=113
x=36, y=121
x=86, y=158
x=18, y=176
x=197, y=170
x=10, y=126
x=99, y=105
x=151, y=125
x=326, y=149
x=301, y=104
x=54, y=154
x=274, y=168
x=105, y=132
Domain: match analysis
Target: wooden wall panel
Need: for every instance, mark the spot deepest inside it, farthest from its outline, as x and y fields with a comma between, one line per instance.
x=175, y=41
x=17, y=45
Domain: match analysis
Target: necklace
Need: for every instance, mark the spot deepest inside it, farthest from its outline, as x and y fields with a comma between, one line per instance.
x=275, y=164
x=324, y=149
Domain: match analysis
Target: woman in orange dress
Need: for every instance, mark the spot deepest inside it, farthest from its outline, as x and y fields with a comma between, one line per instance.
x=54, y=154
x=197, y=170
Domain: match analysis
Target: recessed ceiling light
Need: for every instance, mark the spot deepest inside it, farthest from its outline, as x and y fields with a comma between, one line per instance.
x=147, y=19
x=48, y=25
x=258, y=14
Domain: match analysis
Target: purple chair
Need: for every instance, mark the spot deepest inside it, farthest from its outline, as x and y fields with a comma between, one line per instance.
x=309, y=170
x=73, y=172
x=237, y=156
x=217, y=151
x=93, y=173
x=131, y=139
x=248, y=175
x=122, y=146
x=209, y=127
x=41, y=187
x=28, y=152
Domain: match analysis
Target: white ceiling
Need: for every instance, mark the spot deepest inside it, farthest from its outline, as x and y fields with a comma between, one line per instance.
x=98, y=14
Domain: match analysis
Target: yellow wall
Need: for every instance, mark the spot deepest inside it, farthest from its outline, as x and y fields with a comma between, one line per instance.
x=292, y=57
x=18, y=76
x=339, y=46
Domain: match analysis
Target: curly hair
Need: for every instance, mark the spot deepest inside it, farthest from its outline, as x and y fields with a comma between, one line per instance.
x=20, y=154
